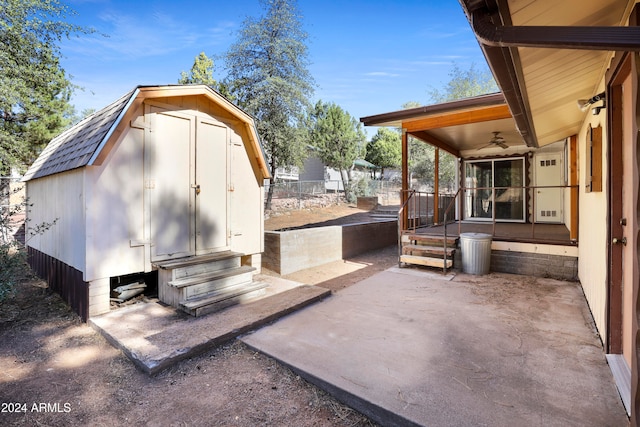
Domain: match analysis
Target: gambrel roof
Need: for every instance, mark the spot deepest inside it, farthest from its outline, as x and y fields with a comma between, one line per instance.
x=74, y=147
x=88, y=142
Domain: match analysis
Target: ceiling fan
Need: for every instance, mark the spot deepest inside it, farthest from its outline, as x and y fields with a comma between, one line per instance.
x=496, y=140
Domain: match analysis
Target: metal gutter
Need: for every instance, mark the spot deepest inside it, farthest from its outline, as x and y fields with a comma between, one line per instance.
x=499, y=40
x=587, y=38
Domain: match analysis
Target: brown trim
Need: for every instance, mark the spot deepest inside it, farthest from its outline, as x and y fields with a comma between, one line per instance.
x=445, y=107
x=614, y=287
x=436, y=185
x=458, y=118
x=568, y=37
x=573, y=181
x=436, y=142
x=62, y=279
x=405, y=177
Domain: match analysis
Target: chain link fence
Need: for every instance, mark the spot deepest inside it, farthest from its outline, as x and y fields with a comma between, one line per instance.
x=291, y=195
x=12, y=209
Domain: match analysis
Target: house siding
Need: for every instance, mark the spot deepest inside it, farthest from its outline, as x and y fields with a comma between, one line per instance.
x=115, y=206
x=592, y=259
x=61, y=198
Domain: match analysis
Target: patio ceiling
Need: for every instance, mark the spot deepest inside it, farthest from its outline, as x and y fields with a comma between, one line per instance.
x=548, y=54
x=455, y=126
x=545, y=55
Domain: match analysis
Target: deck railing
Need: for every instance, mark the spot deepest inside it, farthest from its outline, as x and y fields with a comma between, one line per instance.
x=418, y=210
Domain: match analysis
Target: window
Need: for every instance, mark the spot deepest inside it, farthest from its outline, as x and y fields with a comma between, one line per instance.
x=594, y=159
x=494, y=189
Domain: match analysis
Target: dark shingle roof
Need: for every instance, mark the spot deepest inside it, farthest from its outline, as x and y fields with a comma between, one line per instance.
x=74, y=147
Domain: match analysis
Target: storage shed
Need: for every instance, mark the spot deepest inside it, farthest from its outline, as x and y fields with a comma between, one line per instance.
x=166, y=179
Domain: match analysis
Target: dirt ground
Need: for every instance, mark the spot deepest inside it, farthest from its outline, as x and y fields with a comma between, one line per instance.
x=316, y=217
x=57, y=371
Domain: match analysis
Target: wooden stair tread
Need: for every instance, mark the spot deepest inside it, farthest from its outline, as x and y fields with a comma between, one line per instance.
x=216, y=297
x=431, y=238
x=426, y=261
x=197, y=259
x=210, y=276
x=429, y=249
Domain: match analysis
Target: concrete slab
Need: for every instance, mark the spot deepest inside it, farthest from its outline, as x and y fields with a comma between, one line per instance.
x=423, y=349
x=155, y=336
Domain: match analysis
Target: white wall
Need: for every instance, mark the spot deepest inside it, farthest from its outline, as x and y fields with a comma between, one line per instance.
x=247, y=202
x=114, y=206
x=592, y=261
x=59, y=197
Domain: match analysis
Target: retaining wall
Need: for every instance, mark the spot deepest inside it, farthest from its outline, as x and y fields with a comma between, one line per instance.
x=289, y=251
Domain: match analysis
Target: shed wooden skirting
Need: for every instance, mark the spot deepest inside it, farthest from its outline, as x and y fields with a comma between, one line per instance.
x=62, y=279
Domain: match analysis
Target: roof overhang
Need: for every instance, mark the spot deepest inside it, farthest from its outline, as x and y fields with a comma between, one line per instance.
x=547, y=54
x=456, y=126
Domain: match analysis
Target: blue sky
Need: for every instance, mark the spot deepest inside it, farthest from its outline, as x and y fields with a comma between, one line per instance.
x=368, y=56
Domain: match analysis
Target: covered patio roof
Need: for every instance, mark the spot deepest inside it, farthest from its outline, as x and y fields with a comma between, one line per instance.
x=455, y=126
x=547, y=55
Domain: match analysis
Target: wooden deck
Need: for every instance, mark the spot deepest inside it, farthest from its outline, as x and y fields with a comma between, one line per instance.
x=555, y=234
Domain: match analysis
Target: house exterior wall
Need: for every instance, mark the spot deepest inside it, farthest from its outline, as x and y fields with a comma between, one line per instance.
x=592, y=258
x=114, y=210
x=59, y=197
x=247, y=203
x=313, y=170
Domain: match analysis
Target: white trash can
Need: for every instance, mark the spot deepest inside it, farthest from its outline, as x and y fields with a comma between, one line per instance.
x=476, y=252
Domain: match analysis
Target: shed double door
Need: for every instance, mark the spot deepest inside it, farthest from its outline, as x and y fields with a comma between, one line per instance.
x=188, y=160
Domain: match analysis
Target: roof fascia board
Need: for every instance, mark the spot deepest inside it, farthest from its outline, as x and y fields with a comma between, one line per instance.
x=458, y=118
x=452, y=106
x=148, y=92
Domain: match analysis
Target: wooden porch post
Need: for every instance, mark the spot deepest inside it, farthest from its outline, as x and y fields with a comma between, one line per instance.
x=405, y=175
x=436, y=187
x=573, y=180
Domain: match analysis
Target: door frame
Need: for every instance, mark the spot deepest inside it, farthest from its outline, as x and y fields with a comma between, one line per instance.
x=151, y=109
x=623, y=66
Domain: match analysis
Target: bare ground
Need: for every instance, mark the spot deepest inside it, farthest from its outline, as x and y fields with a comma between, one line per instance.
x=57, y=371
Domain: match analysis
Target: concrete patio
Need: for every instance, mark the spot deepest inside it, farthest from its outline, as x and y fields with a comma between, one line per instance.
x=411, y=347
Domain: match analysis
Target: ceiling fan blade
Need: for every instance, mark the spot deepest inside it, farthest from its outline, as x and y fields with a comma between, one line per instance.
x=502, y=144
x=486, y=146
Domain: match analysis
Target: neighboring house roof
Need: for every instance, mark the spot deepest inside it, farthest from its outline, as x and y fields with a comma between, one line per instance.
x=89, y=141
x=364, y=164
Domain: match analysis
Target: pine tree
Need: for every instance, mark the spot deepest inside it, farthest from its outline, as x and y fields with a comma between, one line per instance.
x=34, y=88
x=268, y=77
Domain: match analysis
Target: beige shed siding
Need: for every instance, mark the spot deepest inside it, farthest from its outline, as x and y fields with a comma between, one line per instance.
x=115, y=209
x=247, y=206
x=592, y=261
x=60, y=197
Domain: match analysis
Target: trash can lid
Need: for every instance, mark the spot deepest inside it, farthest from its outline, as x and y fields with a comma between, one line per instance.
x=475, y=236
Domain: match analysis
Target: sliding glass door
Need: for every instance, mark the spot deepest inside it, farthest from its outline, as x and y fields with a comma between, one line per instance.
x=494, y=190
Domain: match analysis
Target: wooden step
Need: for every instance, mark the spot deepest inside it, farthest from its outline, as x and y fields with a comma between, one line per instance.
x=197, y=259
x=210, y=276
x=422, y=250
x=219, y=300
x=429, y=239
x=426, y=261
x=195, y=265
